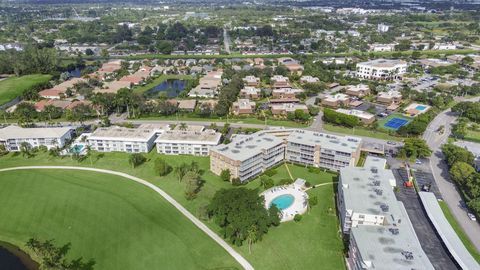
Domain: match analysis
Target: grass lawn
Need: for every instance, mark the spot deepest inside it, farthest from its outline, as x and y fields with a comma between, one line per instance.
x=249, y=120
x=381, y=123
x=473, y=136
x=461, y=234
x=358, y=131
x=13, y=87
x=118, y=223
x=159, y=80
x=305, y=245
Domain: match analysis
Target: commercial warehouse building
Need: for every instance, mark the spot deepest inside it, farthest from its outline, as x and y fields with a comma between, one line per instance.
x=13, y=136
x=380, y=233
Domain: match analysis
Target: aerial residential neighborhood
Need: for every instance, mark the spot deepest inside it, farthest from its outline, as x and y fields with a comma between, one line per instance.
x=270, y=135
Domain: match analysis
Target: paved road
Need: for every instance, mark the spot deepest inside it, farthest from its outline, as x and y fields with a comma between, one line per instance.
x=439, y=170
x=239, y=258
x=226, y=40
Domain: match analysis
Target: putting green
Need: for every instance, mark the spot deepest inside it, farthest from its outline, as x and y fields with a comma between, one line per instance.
x=116, y=222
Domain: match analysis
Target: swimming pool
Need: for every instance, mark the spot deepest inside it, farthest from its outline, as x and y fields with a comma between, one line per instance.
x=77, y=148
x=283, y=201
x=420, y=107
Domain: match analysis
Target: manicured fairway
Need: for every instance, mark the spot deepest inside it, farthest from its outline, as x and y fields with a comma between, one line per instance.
x=13, y=87
x=119, y=224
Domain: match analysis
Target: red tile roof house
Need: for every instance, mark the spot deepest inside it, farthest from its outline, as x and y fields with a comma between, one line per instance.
x=59, y=90
x=62, y=104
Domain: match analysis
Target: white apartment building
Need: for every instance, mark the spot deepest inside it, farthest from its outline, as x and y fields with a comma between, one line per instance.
x=382, y=28
x=382, y=47
x=121, y=139
x=322, y=150
x=379, y=230
x=247, y=157
x=185, y=142
x=381, y=69
x=13, y=136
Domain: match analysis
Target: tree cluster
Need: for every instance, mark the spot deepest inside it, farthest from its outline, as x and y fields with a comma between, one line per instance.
x=414, y=148
x=342, y=119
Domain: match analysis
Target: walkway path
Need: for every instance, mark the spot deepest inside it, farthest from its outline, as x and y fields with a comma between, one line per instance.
x=239, y=258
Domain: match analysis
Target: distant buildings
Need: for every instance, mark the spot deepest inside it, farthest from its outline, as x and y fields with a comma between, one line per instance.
x=336, y=100
x=208, y=85
x=12, y=137
x=250, y=92
x=365, y=117
x=309, y=79
x=382, y=47
x=243, y=106
x=381, y=235
x=382, y=28
x=279, y=81
x=381, y=69
x=251, y=81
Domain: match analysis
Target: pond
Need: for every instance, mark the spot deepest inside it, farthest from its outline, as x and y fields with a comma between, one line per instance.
x=171, y=87
x=13, y=258
x=76, y=73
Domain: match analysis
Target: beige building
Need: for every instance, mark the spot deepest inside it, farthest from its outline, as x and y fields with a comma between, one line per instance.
x=389, y=97
x=251, y=81
x=365, y=117
x=360, y=90
x=250, y=92
x=309, y=79
x=243, y=106
x=286, y=92
x=247, y=157
x=336, y=100
x=279, y=81
x=285, y=108
x=208, y=85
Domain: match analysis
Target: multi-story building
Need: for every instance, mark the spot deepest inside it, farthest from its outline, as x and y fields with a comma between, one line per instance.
x=336, y=100
x=381, y=69
x=122, y=139
x=186, y=142
x=208, y=85
x=243, y=106
x=251, y=81
x=279, y=81
x=285, y=108
x=382, y=47
x=13, y=136
x=359, y=90
x=365, y=117
x=322, y=150
x=286, y=92
x=247, y=157
x=250, y=92
x=309, y=79
x=377, y=226
x=389, y=97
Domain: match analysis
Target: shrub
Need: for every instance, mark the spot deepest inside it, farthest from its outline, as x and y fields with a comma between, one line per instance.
x=297, y=218
x=136, y=159
x=271, y=172
x=161, y=167
x=285, y=181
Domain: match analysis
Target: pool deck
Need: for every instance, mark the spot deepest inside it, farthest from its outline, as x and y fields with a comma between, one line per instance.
x=299, y=205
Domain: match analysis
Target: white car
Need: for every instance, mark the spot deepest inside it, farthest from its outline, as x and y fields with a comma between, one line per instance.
x=471, y=216
x=418, y=161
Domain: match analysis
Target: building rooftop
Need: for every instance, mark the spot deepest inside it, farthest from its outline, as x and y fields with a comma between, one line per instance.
x=393, y=245
x=384, y=63
x=16, y=132
x=244, y=104
x=390, y=94
x=123, y=134
x=289, y=107
x=345, y=144
x=197, y=137
x=357, y=88
x=245, y=148
x=248, y=90
x=336, y=97
x=357, y=113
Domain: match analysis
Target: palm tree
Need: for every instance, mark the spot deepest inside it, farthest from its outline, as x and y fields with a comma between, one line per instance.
x=251, y=237
x=180, y=171
x=183, y=126
x=88, y=154
x=25, y=149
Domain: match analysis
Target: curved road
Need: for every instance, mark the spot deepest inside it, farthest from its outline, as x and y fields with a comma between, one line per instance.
x=439, y=168
x=239, y=258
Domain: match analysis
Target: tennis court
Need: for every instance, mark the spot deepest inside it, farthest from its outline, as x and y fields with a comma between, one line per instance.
x=396, y=123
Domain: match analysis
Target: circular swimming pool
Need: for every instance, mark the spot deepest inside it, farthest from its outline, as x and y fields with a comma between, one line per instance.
x=283, y=201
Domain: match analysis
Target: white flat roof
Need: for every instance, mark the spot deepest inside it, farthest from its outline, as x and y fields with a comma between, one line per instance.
x=209, y=137
x=16, y=132
x=116, y=133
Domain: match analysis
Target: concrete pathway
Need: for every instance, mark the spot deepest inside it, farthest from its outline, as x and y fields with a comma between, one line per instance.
x=239, y=258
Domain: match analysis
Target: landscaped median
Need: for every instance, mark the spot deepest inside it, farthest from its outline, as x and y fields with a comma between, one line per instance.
x=108, y=206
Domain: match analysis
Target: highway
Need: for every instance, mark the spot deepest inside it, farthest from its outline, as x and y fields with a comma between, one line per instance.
x=439, y=169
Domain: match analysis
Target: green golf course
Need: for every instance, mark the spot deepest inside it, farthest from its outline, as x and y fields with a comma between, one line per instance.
x=13, y=87
x=118, y=223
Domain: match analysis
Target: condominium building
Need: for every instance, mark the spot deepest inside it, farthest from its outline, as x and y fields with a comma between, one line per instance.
x=286, y=92
x=336, y=100
x=208, y=85
x=186, y=142
x=13, y=136
x=285, y=108
x=389, y=97
x=382, y=47
x=251, y=81
x=247, y=157
x=122, y=139
x=249, y=92
x=359, y=90
x=322, y=150
x=381, y=69
x=243, y=106
x=279, y=81
x=379, y=230
x=365, y=117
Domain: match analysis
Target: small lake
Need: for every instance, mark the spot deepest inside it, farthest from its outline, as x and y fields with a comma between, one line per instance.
x=76, y=73
x=13, y=258
x=171, y=87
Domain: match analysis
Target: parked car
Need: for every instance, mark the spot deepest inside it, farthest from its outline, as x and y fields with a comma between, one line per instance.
x=417, y=161
x=471, y=216
x=391, y=143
